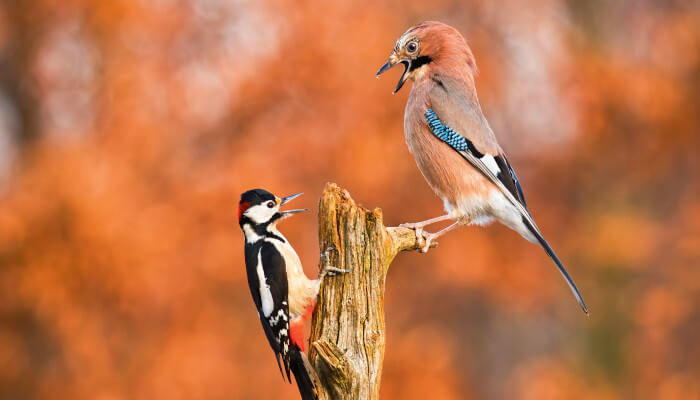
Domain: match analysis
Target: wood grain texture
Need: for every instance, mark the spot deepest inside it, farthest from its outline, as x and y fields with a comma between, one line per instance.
x=347, y=330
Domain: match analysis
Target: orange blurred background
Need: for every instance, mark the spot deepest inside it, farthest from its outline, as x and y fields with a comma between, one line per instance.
x=128, y=130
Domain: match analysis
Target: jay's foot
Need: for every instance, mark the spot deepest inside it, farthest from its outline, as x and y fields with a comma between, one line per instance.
x=428, y=239
x=421, y=236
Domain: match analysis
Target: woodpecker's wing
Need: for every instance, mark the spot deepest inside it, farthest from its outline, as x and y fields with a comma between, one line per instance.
x=463, y=110
x=267, y=278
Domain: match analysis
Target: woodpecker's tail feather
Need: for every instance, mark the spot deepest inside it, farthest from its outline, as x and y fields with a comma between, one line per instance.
x=304, y=374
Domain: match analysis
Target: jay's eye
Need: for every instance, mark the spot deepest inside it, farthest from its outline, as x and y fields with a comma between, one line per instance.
x=270, y=204
x=412, y=47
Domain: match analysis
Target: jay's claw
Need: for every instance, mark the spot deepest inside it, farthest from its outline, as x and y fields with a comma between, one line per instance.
x=423, y=238
x=418, y=230
x=428, y=237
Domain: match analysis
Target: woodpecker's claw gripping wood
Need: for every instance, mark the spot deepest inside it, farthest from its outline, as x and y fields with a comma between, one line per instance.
x=327, y=267
x=347, y=330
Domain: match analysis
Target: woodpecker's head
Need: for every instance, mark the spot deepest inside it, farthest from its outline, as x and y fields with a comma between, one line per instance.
x=430, y=46
x=259, y=208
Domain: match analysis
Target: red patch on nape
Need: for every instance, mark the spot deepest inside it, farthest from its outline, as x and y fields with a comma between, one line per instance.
x=242, y=206
x=296, y=333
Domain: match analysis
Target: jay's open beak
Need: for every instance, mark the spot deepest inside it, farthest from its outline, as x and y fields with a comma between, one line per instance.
x=285, y=200
x=390, y=63
x=387, y=66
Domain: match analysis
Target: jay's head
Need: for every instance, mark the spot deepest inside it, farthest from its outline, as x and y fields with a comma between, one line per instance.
x=259, y=207
x=430, y=46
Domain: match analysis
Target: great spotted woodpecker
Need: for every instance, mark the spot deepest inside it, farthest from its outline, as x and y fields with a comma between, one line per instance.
x=282, y=293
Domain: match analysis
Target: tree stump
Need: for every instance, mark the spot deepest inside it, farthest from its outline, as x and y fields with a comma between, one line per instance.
x=347, y=329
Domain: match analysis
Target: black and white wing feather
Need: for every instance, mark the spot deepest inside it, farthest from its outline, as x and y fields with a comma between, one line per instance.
x=267, y=278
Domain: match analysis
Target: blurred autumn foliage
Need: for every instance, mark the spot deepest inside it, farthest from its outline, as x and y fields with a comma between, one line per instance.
x=128, y=129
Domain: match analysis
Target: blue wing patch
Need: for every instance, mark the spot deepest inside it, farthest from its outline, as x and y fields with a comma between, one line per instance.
x=498, y=165
x=445, y=133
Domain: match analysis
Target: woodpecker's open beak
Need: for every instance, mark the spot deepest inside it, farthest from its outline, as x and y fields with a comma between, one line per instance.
x=285, y=200
x=390, y=63
x=289, y=213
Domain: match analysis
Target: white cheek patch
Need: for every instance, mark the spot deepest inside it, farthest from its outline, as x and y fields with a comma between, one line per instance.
x=260, y=213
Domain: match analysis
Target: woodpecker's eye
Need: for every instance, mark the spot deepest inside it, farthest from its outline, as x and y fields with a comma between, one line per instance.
x=270, y=204
x=412, y=47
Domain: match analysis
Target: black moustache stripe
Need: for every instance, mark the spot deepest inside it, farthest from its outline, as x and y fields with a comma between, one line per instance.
x=419, y=62
x=263, y=229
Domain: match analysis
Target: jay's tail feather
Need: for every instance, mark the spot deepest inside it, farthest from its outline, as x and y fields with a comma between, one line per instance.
x=304, y=374
x=550, y=253
x=465, y=149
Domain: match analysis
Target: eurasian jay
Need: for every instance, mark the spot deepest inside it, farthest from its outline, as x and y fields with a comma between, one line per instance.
x=454, y=147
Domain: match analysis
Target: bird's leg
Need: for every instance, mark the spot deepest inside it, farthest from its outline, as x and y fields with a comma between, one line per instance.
x=327, y=268
x=418, y=226
x=422, y=224
x=429, y=237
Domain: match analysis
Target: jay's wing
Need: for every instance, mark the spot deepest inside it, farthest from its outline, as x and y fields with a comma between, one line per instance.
x=455, y=112
x=459, y=109
x=456, y=118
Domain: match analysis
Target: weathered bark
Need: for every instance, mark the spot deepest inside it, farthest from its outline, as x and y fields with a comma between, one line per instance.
x=347, y=329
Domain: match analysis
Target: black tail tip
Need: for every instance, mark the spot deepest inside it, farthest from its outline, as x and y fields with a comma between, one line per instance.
x=304, y=374
x=581, y=303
